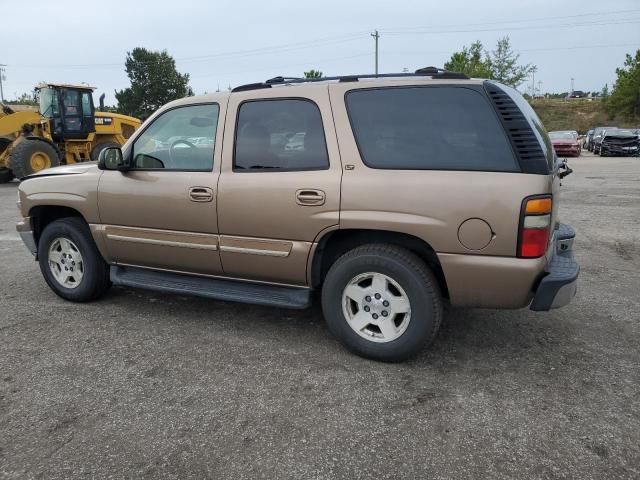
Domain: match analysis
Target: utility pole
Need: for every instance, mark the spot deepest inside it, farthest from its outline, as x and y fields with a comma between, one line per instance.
x=540, y=87
x=1, y=80
x=571, y=86
x=534, y=69
x=376, y=36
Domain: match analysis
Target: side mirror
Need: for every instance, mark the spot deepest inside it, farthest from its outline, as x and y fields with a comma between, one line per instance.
x=111, y=158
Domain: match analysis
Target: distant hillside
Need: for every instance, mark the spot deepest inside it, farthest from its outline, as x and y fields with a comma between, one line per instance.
x=579, y=115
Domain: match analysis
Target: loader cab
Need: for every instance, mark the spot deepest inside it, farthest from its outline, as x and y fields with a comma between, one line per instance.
x=69, y=110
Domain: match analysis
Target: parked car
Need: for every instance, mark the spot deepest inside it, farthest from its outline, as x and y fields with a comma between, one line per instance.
x=577, y=94
x=588, y=139
x=597, y=138
x=399, y=195
x=617, y=141
x=565, y=143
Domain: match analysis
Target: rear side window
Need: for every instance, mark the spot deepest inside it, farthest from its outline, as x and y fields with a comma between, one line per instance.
x=428, y=128
x=535, y=123
x=284, y=135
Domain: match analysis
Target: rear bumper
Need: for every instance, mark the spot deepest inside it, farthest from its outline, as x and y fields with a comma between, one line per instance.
x=559, y=285
x=567, y=151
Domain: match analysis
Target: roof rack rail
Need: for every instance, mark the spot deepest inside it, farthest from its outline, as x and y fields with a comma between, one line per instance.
x=432, y=72
x=280, y=79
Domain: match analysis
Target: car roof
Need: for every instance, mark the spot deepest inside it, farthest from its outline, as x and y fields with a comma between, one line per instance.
x=429, y=75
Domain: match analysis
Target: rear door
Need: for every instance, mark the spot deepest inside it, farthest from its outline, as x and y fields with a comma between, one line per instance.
x=279, y=187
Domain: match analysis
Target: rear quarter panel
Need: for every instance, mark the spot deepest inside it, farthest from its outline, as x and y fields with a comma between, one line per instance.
x=430, y=204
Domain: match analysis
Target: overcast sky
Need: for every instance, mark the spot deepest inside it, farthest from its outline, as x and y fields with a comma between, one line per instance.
x=222, y=43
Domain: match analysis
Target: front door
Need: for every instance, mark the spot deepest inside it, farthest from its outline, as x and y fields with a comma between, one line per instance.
x=162, y=213
x=279, y=187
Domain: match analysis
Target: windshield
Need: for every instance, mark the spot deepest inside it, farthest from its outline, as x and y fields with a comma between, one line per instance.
x=620, y=132
x=562, y=136
x=49, y=103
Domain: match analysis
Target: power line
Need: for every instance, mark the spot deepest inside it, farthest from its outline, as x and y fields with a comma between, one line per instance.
x=237, y=53
x=508, y=29
x=521, y=20
x=317, y=63
x=439, y=29
x=525, y=50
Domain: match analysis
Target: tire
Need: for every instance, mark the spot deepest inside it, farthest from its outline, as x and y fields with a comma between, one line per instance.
x=6, y=175
x=92, y=279
x=32, y=156
x=95, y=153
x=404, y=274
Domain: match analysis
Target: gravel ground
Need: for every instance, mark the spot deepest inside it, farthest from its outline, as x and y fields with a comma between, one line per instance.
x=143, y=385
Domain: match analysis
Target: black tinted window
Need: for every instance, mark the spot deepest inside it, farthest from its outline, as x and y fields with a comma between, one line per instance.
x=421, y=128
x=280, y=134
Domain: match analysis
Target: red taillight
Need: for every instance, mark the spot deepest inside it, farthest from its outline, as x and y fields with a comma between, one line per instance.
x=533, y=242
x=535, y=227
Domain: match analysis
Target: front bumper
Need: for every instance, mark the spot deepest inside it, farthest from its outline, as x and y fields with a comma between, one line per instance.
x=559, y=285
x=25, y=230
x=614, y=149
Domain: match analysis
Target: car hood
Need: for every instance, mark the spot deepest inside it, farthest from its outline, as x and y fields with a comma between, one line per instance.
x=73, y=169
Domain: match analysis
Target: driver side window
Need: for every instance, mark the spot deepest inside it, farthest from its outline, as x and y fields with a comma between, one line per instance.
x=182, y=138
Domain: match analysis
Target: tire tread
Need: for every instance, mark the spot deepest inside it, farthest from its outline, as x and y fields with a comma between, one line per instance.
x=414, y=263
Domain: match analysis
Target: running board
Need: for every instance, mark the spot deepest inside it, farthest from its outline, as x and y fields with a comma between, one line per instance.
x=217, y=289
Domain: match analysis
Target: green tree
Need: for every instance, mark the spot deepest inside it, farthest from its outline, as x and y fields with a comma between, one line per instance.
x=313, y=74
x=24, y=99
x=604, y=93
x=469, y=61
x=503, y=63
x=625, y=97
x=154, y=82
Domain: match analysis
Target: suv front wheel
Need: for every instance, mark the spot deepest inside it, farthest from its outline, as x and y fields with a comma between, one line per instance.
x=382, y=302
x=70, y=261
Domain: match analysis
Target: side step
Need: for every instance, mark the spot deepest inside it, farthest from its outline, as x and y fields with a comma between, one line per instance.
x=227, y=290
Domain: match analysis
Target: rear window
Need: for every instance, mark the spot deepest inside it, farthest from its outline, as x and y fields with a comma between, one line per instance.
x=428, y=128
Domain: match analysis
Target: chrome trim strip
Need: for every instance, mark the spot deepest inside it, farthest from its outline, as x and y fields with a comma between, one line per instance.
x=254, y=251
x=165, y=243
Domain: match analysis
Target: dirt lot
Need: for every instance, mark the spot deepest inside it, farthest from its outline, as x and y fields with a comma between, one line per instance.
x=149, y=385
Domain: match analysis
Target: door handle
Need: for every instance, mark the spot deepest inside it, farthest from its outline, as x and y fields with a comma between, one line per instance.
x=310, y=197
x=200, y=194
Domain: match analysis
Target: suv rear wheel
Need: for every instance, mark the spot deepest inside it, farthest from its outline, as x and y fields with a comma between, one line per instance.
x=70, y=261
x=382, y=302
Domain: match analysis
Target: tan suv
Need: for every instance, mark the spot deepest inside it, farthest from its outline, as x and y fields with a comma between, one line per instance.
x=389, y=194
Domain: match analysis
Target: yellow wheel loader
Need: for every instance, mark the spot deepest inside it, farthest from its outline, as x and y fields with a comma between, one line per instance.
x=66, y=129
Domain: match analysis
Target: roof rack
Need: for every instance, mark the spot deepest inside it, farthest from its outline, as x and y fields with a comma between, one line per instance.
x=432, y=72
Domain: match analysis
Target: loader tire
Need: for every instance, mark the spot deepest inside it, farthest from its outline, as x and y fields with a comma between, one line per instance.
x=95, y=153
x=6, y=175
x=32, y=156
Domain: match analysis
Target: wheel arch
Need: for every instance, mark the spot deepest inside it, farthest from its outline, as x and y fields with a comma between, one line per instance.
x=334, y=244
x=43, y=215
